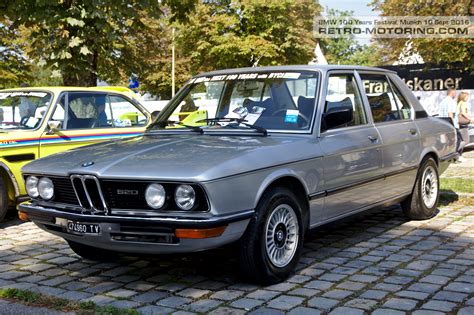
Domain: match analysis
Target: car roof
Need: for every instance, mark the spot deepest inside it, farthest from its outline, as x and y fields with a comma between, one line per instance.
x=323, y=68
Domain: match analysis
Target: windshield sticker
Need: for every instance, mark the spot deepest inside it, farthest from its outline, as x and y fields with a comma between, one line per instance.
x=22, y=94
x=218, y=78
x=248, y=76
x=202, y=79
x=291, y=116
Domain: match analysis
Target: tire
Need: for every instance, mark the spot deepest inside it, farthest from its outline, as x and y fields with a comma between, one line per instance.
x=422, y=203
x=3, y=199
x=92, y=253
x=276, y=228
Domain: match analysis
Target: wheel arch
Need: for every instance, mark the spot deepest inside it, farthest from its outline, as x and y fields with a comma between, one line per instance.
x=10, y=181
x=295, y=184
x=429, y=153
x=432, y=155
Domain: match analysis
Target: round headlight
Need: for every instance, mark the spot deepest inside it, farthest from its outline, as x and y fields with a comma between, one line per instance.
x=185, y=197
x=32, y=186
x=45, y=188
x=155, y=196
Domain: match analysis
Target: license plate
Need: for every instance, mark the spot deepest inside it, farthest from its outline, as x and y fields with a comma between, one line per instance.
x=82, y=228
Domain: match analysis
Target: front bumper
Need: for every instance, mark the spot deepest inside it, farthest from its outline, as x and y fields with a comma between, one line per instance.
x=153, y=235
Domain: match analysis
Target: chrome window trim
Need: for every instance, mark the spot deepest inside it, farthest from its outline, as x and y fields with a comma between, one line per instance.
x=309, y=130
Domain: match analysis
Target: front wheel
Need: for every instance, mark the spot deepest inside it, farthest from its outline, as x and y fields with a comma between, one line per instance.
x=422, y=203
x=272, y=243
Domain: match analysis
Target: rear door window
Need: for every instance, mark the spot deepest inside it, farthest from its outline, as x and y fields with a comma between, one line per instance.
x=385, y=103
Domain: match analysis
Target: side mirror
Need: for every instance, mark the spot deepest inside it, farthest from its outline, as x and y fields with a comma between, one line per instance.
x=54, y=125
x=337, y=118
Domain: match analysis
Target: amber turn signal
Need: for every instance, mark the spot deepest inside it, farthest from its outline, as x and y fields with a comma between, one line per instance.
x=23, y=216
x=200, y=233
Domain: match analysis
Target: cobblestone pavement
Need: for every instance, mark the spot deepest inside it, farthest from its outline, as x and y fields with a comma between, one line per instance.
x=377, y=262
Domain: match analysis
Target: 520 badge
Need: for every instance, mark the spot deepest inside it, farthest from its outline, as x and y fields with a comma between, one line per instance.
x=83, y=228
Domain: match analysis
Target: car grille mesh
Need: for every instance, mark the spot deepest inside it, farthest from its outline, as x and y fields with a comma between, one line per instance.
x=133, y=199
x=63, y=191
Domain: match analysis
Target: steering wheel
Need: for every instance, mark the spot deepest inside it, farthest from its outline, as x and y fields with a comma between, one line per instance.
x=306, y=119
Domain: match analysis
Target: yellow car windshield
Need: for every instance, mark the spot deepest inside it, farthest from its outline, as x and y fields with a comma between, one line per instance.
x=23, y=109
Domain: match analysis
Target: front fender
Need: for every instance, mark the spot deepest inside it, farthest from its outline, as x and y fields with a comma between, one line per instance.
x=12, y=185
x=243, y=191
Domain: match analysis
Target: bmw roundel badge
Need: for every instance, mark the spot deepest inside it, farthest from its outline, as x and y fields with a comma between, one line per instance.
x=87, y=164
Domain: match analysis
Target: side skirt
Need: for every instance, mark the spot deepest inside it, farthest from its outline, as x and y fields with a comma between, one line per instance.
x=384, y=203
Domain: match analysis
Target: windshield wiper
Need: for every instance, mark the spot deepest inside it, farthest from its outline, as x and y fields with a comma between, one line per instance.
x=239, y=121
x=222, y=119
x=168, y=122
x=258, y=128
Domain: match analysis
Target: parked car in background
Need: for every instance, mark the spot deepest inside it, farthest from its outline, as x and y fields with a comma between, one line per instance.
x=470, y=141
x=36, y=122
x=257, y=156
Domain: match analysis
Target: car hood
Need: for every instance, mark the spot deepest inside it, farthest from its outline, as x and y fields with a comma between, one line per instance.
x=187, y=157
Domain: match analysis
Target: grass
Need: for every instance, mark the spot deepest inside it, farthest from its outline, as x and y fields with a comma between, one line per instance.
x=462, y=185
x=39, y=300
x=455, y=201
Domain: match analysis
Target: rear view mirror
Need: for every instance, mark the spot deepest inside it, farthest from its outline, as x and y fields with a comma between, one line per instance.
x=336, y=118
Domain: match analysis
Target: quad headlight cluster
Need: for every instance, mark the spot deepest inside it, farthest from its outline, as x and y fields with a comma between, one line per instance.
x=42, y=187
x=184, y=196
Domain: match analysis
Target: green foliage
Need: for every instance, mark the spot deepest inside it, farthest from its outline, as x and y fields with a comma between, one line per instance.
x=83, y=40
x=84, y=308
x=226, y=34
x=22, y=295
x=435, y=51
x=14, y=66
x=77, y=42
x=345, y=50
x=230, y=34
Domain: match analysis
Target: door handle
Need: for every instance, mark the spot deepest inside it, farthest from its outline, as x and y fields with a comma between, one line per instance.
x=413, y=131
x=373, y=139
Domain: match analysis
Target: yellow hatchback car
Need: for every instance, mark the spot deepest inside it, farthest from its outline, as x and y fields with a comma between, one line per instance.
x=36, y=122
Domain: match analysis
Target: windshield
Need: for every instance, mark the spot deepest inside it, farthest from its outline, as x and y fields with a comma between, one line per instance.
x=260, y=101
x=23, y=109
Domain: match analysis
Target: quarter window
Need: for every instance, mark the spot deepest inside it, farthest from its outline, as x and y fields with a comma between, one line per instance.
x=403, y=105
x=385, y=100
x=122, y=113
x=343, y=94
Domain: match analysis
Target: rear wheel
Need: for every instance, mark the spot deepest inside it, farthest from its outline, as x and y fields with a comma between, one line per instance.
x=3, y=199
x=272, y=243
x=92, y=253
x=422, y=203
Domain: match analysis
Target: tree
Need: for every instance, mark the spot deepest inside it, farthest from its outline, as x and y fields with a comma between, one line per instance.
x=345, y=49
x=84, y=40
x=436, y=51
x=14, y=66
x=226, y=34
